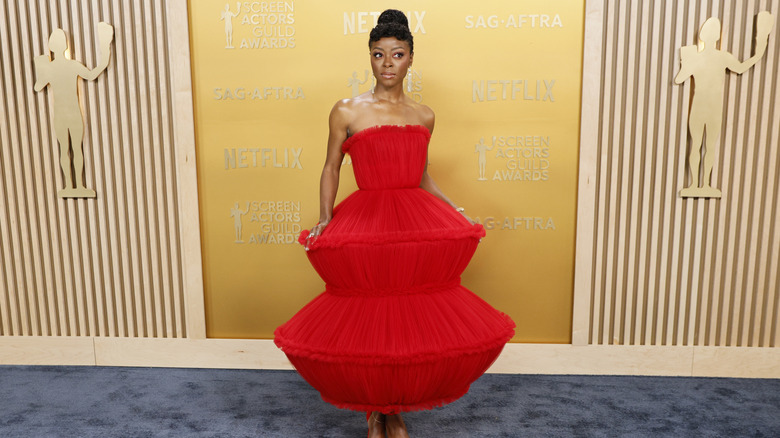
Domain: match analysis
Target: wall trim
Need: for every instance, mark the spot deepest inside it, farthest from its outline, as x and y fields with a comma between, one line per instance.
x=184, y=136
x=748, y=362
x=586, y=185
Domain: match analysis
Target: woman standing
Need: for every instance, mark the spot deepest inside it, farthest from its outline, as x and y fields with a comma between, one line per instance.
x=394, y=330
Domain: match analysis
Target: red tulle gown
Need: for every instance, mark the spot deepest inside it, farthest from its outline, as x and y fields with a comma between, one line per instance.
x=394, y=329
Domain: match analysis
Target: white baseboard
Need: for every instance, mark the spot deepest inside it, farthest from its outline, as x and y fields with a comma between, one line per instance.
x=515, y=359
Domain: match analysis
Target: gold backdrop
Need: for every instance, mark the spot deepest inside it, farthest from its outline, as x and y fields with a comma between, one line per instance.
x=504, y=78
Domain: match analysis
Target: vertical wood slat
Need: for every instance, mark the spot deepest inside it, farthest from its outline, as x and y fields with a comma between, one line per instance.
x=608, y=335
x=655, y=278
x=667, y=270
x=628, y=124
x=769, y=321
x=598, y=303
x=154, y=192
x=166, y=178
x=119, y=131
x=752, y=191
x=673, y=17
x=757, y=273
x=17, y=306
x=660, y=311
x=39, y=242
x=138, y=99
x=733, y=267
x=6, y=269
x=106, y=306
x=133, y=172
x=26, y=300
x=104, y=301
x=647, y=252
x=90, y=267
x=634, y=301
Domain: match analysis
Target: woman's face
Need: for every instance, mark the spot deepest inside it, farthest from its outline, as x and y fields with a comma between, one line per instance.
x=390, y=59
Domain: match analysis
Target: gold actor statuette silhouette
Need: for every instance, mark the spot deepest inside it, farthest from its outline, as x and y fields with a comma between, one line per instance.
x=355, y=83
x=227, y=16
x=481, y=149
x=706, y=63
x=62, y=74
x=237, y=214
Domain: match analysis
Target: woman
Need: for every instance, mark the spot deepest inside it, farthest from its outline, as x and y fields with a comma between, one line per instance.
x=394, y=331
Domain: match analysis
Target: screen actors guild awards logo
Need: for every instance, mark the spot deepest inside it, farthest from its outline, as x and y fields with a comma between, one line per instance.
x=705, y=63
x=520, y=158
x=61, y=75
x=269, y=222
x=259, y=25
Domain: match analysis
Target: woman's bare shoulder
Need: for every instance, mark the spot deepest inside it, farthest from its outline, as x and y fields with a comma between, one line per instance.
x=425, y=114
x=350, y=105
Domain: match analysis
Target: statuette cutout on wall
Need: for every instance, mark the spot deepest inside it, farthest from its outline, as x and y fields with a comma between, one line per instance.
x=61, y=74
x=481, y=149
x=227, y=16
x=238, y=223
x=354, y=82
x=705, y=63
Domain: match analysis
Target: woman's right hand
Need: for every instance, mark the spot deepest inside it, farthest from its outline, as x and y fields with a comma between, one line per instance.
x=315, y=232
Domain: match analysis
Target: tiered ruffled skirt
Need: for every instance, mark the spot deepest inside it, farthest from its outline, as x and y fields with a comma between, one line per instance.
x=394, y=330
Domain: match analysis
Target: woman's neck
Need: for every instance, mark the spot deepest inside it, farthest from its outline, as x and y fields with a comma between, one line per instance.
x=391, y=95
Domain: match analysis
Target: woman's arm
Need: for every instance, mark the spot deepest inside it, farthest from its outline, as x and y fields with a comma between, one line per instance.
x=329, y=180
x=427, y=183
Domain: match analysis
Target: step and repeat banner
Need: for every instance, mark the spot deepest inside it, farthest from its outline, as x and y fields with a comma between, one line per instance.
x=504, y=78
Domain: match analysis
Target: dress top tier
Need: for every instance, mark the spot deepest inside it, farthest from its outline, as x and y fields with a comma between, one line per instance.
x=382, y=159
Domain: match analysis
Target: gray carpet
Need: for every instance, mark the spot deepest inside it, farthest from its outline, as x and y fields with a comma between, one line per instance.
x=164, y=402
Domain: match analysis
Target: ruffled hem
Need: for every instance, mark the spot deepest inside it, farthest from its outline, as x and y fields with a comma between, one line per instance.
x=476, y=231
x=380, y=128
x=395, y=408
x=291, y=348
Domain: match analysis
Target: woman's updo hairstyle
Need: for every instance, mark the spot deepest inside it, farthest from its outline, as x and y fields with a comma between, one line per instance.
x=392, y=23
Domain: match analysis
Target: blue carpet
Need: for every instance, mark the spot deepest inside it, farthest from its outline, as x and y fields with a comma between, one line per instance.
x=165, y=402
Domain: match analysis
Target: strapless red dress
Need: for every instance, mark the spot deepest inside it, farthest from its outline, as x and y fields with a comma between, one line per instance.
x=394, y=329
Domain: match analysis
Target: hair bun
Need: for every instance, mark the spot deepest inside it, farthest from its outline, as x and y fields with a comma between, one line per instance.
x=393, y=16
x=392, y=23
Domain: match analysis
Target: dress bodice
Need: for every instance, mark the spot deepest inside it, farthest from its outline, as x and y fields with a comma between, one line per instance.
x=388, y=156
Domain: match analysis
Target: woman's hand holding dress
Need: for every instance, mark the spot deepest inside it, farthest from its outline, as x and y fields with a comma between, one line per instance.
x=316, y=231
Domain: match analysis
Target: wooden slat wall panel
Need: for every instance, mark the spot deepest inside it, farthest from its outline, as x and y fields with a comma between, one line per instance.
x=666, y=270
x=110, y=266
